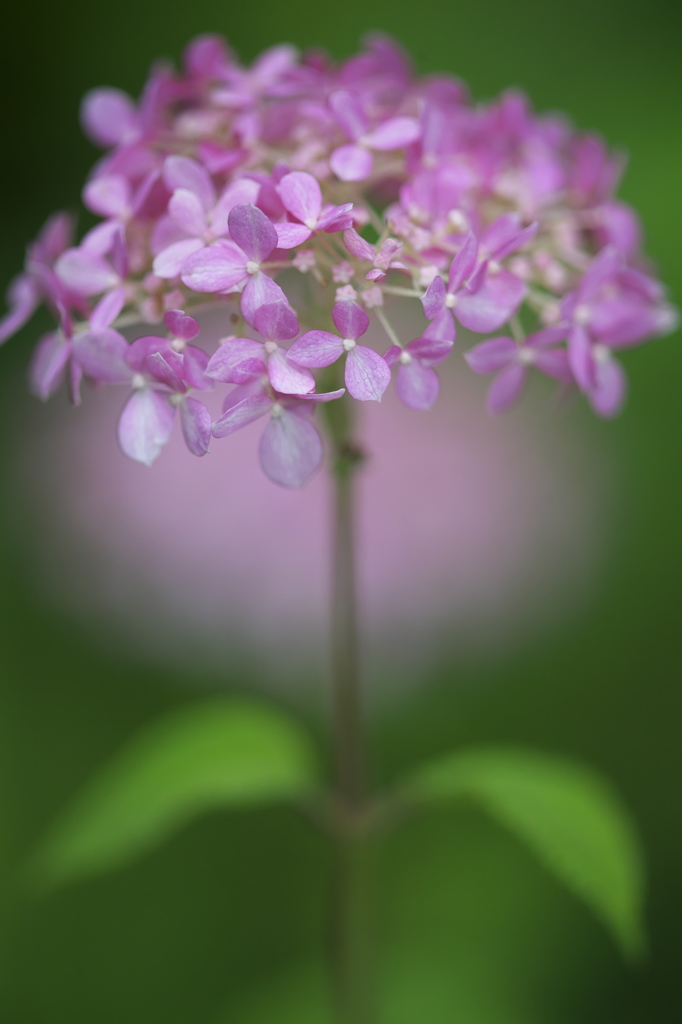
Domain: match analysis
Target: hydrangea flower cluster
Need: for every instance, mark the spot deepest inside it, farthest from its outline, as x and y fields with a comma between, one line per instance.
x=299, y=183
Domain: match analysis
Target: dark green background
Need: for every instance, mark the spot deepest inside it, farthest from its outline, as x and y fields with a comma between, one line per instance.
x=226, y=924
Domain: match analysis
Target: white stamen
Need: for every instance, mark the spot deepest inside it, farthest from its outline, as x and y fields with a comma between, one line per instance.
x=138, y=382
x=310, y=223
x=178, y=344
x=602, y=354
x=405, y=358
x=176, y=399
x=582, y=315
x=348, y=344
x=450, y=300
x=494, y=267
x=270, y=347
x=252, y=267
x=277, y=409
x=525, y=356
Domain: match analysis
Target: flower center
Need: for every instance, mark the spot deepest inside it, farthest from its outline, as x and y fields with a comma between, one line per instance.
x=525, y=356
x=138, y=382
x=270, y=347
x=582, y=315
x=450, y=300
x=601, y=354
x=405, y=358
x=348, y=344
x=252, y=267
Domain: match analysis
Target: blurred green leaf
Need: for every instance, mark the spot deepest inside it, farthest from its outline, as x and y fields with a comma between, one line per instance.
x=566, y=813
x=224, y=753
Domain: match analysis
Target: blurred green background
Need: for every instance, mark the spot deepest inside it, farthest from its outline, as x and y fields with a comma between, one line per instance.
x=227, y=922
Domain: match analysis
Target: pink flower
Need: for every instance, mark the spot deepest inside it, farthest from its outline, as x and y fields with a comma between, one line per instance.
x=417, y=382
x=354, y=162
x=510, y=362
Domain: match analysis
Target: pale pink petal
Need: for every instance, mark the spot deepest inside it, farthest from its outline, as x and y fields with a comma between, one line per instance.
x=417, y=386
x=321, y=396
x=102, y=356
x=109, y=116
x=357, y=245
x=259, y=289
x=609, y=391
x=290, y=235
x=183, y=172
x=554, y=364
x=367, y=374
x=442, y=327
x=49, y=360
x=493, y=303
x=236, y=361
x=433, y=298
x=518, y=241
x=187, y=212
x=145, y=425
x=195, y=420
x=85, y=273
x=491, y=356
x=580, y=357
x=463, y=263
x=22, y=299
x=431, y=351
x=335, y=218
x=288, y=378
x=214, y=268
x=241, y=414
x=350, y=320
x=316, y=349
x=180, y=325
x=195, y=363
x=276, y=321
x=290, y=449
x=100, y=239
x=302, y=197
x=348, y=113
x=506, y=388
x=395, y=133
x=164, y=234
x=171, y=260
x=109, y=195
x=351, y=163
x=602, y=269
x=252, y=231
x=158, y=368
x=107, y=309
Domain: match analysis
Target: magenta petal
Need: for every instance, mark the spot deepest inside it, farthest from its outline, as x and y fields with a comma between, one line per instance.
x=350, y=320
x=351, y=163
x=290, y=235
x=252, y=231
x=109, y=116
x=109, y=195
x=290, y=449
x=302, y=197
x=145, y=425
x=520, y=239
x=196, y=426
x=259, y=290
x=417, y=386
x=195, y=362
x=395, y=133
x=102, y=356
x=107, y=309
x=500, y=232
x=158, y=368
x=214, y=268
x=171, y=260
x=434, y=297
x=288, y=378
x=602, y=268
x=491, y=356
x=180, y=325
x=47, y=365
x=85, y=273
x=241, y=414
x=506, y=388
x=392, y=357
x=493, y=303
x=554, y=364
x=430, y=350
x=321, y=396
x=442, y=327
x=335, y=218
x=580, y=357
x=357, y=245
x=609, y=390
x=236, y=361
x=276, y=321
x=185, y=173
x=463, y=263
x=187, y=212
x=22, y=298
x=316, y=349
x=367, y=374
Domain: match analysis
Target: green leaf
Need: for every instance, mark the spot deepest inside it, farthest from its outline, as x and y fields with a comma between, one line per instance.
x=567, y=814
x=224, y=753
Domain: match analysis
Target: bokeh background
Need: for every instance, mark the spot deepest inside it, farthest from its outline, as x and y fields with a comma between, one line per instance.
x=226, y=924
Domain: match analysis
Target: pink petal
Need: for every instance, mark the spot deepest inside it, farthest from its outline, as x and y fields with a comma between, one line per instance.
x=107, y=309
x=506, y=388
x=109, y=195
x=491, y=356
x=394, y=134
x=417, y=386
x=316, y=349
x=109, y=116
x=276, y=321
x=236, y=361
x=171, y=260
x=23, y=299
x=367, y=374
x=290, y=235
x=351, y=163
x=290, y=450
x=350, y=320
x=187, y=212
x=241, y=414
x=498, y=233
x=259, y=289
x=100, y=240
x=493, y=303
x=321, y=396
x=392, y=357
x=602, y=269
x=158, y=368
x=252, y=231
x=85, y=273
x=151, y=197
x=180, y=325
x=195, y=362
x=520, y=239
x=183, y=172
x=195, y=420
x=580, y=357
x=554, y=364
x=145, y=425
x=357, y=245
x=430, y=351
x=609, y=390
x=288, y=378
x=433, y=298
x=102, y=356
x=348, y=113
x=244, y=190
x=302, y=197
x=442, y=327
x=335, y=218
x=214, y=268
x=47, y=365
x=463, y=264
